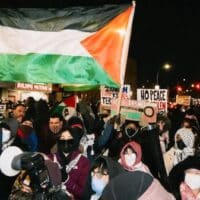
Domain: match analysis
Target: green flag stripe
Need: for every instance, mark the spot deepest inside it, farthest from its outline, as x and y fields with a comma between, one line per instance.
x=87, y=19
x=43, y=68
x=83, y=87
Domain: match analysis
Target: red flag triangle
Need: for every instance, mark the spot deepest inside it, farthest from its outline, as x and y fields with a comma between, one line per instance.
x=70, y=101
x=106, y=45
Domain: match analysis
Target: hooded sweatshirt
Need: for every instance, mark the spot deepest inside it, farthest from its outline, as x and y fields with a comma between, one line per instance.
x=175, y=155
x=138, y=165
x=113, y=168
x=141, y=186
x=187, y=137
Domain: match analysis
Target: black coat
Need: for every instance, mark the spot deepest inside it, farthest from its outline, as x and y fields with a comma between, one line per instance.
x=114, y=169
x=127, y=186
x=177, y=174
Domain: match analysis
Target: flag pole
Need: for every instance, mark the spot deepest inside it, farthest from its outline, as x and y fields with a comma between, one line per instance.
x=125, y=56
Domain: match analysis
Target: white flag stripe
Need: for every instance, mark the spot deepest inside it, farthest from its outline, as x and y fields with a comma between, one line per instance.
x=66, y=42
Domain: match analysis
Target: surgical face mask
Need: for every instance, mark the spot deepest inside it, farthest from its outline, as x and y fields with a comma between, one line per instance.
x=98, y=185
x=6, y=134
x=192, y=180
x=130, y=159
x=180, y=144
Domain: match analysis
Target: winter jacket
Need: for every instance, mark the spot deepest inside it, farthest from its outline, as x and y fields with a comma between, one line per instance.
x=175, y=155
x=135, y=186
x=177, y=174
x=114, y=169
x=156, y=191
x=78, y=175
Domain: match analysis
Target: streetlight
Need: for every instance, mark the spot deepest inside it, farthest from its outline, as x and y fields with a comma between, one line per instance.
x=166, y=66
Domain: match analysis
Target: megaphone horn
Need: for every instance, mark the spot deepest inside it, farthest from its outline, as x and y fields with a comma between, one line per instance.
x=6, y=160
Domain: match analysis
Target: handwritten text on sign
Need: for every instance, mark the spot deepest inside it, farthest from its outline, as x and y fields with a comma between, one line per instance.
x=152, y=95
x=108, y=94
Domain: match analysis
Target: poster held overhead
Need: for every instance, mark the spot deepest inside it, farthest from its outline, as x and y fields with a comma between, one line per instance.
x=158, y=96
x=144, y=112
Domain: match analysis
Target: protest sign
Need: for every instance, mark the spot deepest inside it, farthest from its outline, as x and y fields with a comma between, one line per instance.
x=160, y=97
x=108, y=94
x=145, y=112
x=183, y=100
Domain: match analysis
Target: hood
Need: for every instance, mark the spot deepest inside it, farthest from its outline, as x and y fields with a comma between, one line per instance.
x=137, y=148
x=125, y=187
x=187, y=136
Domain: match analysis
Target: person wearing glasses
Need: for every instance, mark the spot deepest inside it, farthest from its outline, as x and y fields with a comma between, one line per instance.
x=102, y=171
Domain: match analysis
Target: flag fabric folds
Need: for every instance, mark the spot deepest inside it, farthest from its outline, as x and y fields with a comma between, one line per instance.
x=73, y=46
x=67, y=108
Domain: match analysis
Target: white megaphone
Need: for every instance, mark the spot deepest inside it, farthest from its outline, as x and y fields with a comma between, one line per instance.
x=6, y=160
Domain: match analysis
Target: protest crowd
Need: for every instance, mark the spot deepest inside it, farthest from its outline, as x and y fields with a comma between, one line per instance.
x=85, y=148
x=102, y=156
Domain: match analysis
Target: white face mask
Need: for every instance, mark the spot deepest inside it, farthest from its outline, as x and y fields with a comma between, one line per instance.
x=130, y=159
x=5, y=135
x=192, y=180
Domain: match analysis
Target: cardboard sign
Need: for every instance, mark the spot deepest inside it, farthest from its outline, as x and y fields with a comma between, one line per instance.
x=145, y=112
x=183, y=100
x=159, y=97
x=108, y=94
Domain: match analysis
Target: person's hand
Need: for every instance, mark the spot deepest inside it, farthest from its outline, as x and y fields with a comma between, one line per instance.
x=26, y=188
x=117, y=122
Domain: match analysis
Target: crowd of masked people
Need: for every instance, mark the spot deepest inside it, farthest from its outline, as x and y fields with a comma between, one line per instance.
x=105, y=157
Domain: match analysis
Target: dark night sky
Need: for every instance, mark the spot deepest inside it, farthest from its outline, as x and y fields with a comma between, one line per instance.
x=163, y=31
x=167, y=31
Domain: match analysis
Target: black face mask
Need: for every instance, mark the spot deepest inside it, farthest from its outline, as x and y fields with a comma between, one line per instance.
x=130, y=132
x=66, y=146
x=180, y=144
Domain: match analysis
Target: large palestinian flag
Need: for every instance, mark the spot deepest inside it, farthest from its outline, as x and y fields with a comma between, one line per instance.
x=82, y=46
